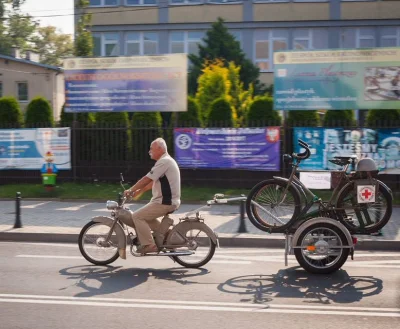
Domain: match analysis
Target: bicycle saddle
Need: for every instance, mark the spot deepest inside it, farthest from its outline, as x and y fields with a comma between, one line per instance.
x=343, y=160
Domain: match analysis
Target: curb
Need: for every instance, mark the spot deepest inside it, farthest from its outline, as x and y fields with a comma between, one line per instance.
x=225, y=240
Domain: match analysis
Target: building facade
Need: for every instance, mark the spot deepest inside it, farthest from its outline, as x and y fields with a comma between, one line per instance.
x=26, y=79
x=147, y=27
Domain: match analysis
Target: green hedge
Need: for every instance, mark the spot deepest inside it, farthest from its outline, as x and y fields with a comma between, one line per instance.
x=261, y=112
x=220, y=114
x=339, y=118
x=386, y=118
x=39, y=113
x=305, y=118
x=10, y=113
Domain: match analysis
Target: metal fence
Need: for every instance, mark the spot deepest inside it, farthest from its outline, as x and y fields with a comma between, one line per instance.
x=100, y=152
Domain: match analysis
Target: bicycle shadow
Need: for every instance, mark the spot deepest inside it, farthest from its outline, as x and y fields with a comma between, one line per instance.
x=338, y=287
x=103, y=280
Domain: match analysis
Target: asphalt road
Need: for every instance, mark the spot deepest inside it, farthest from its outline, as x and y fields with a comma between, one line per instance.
x=52, y=286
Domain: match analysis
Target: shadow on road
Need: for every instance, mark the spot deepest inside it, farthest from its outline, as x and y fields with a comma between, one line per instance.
x=294, y=282
x=100, y=280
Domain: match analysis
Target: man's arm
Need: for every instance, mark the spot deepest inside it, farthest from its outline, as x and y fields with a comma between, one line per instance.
x=144, y=184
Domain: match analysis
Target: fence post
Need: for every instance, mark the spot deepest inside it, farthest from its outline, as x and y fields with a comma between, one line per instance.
x=18, y=223
x=74, y=145
x=242, y=227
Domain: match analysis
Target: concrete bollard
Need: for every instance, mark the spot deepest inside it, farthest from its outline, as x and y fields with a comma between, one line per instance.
x=242, y=226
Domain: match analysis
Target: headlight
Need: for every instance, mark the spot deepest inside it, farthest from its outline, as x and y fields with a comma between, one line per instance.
x=112, y=205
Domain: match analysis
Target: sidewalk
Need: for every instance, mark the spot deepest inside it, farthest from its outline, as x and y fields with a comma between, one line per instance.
x=54, y=221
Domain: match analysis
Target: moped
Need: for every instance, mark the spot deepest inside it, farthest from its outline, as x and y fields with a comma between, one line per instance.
x=190, y=242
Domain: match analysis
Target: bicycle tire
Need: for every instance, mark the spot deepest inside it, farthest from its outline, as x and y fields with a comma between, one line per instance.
x=348, y=194
x=267, y=198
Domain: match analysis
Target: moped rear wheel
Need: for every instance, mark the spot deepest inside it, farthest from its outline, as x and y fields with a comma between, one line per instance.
x=201, y=242
x=93, y=245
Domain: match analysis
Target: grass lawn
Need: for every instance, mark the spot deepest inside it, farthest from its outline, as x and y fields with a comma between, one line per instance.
x=105, y=191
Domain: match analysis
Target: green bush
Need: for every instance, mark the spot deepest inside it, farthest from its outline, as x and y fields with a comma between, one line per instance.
x=39, y=113
x=111, y=136
x=190, y=118
x=146, y=127
x=10, y=113
x=262, y=112
x=220, y=114
x=339, y=118
x=305, y=118
x=83, y=118
x=386, y=118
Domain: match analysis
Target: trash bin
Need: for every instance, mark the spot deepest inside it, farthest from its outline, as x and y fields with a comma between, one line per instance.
x=49, y=179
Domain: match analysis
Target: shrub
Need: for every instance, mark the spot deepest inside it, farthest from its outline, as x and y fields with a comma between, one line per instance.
x=386, y=118
x=262, y=113
x=146, y=127
x=339, y=118
x=39, y=113
x=190, y=118
x=83, y=118
x=305, y=118
x=221, y=114
x=10, y=113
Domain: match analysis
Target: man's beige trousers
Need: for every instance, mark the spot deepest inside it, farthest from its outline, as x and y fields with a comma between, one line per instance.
x=145, y=220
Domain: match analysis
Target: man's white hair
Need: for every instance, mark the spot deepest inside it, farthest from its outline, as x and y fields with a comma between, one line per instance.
x=161, y=143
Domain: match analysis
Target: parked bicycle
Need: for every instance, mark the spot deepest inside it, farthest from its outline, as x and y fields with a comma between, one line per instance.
x=321, y=239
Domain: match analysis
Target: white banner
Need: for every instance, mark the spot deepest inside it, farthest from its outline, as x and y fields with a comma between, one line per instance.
x=316, y=180
x=26, y=148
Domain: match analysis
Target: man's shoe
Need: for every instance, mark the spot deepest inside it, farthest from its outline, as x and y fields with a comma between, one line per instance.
x=150, y=248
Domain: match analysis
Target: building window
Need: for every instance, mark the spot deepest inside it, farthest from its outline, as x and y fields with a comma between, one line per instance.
x=106, y=44
x=225, y=1
x=103, y=3
x=185, y=2
x=390, y=37
x=22, y=90
x=137, y=43
x=363, y=37
x=140, y=2
x=1, y=89
x=310, y=39
x=185, y=42
x=266, y=43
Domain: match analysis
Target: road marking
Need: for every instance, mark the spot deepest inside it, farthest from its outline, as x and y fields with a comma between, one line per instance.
x=74, y=208
x=201, y=306
x=49, y=256
x=32, y=206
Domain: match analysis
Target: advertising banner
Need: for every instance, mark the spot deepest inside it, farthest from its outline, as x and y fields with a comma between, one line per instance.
x=26, y=148
x=228, y=148
x=117, y=84
x=382, y=145
x=337, y=79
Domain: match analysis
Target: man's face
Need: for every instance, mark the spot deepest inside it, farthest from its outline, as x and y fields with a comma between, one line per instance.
x=155, y=151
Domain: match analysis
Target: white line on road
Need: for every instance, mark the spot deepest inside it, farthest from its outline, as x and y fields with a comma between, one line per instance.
x=74, y=208
x=200, y=305
x=32, y=206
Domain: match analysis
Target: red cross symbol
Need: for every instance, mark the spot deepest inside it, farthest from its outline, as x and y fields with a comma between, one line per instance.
x=366, y=194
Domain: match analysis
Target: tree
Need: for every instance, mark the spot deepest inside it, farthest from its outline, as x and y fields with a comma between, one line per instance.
x=220, y=44
x=39, y=113
x=10, y=113
x=262, y=113
x=83, y=38
x=52, y=46
x=305, y=118
x=213, y=84
x=387, y=118
x=339, y=118
x=221, y=114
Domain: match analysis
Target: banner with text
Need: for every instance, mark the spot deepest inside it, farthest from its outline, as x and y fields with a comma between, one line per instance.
x=26, y=148
x=117, y=84
x=382, y=145
x=337, y=79
x=228, y=148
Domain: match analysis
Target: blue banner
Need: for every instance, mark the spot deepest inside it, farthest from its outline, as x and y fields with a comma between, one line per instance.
x=228, y=148
x=117, y=84
x=382, y=145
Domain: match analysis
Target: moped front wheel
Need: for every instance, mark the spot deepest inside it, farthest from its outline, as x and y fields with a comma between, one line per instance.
x=93, y=245
x=199, y=241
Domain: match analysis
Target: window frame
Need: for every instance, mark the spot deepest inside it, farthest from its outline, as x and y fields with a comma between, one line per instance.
x=358, y=37
x=102, y=4
x=186, y=3
x=186, y=40
x=310, y=38
x=103, y=43
x=141, y=42
x=393, y=36
x=141, y=4
x=17, y=83
x=270, y=40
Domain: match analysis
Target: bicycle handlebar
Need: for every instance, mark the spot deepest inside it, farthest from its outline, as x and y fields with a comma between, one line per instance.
x=306, y=154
